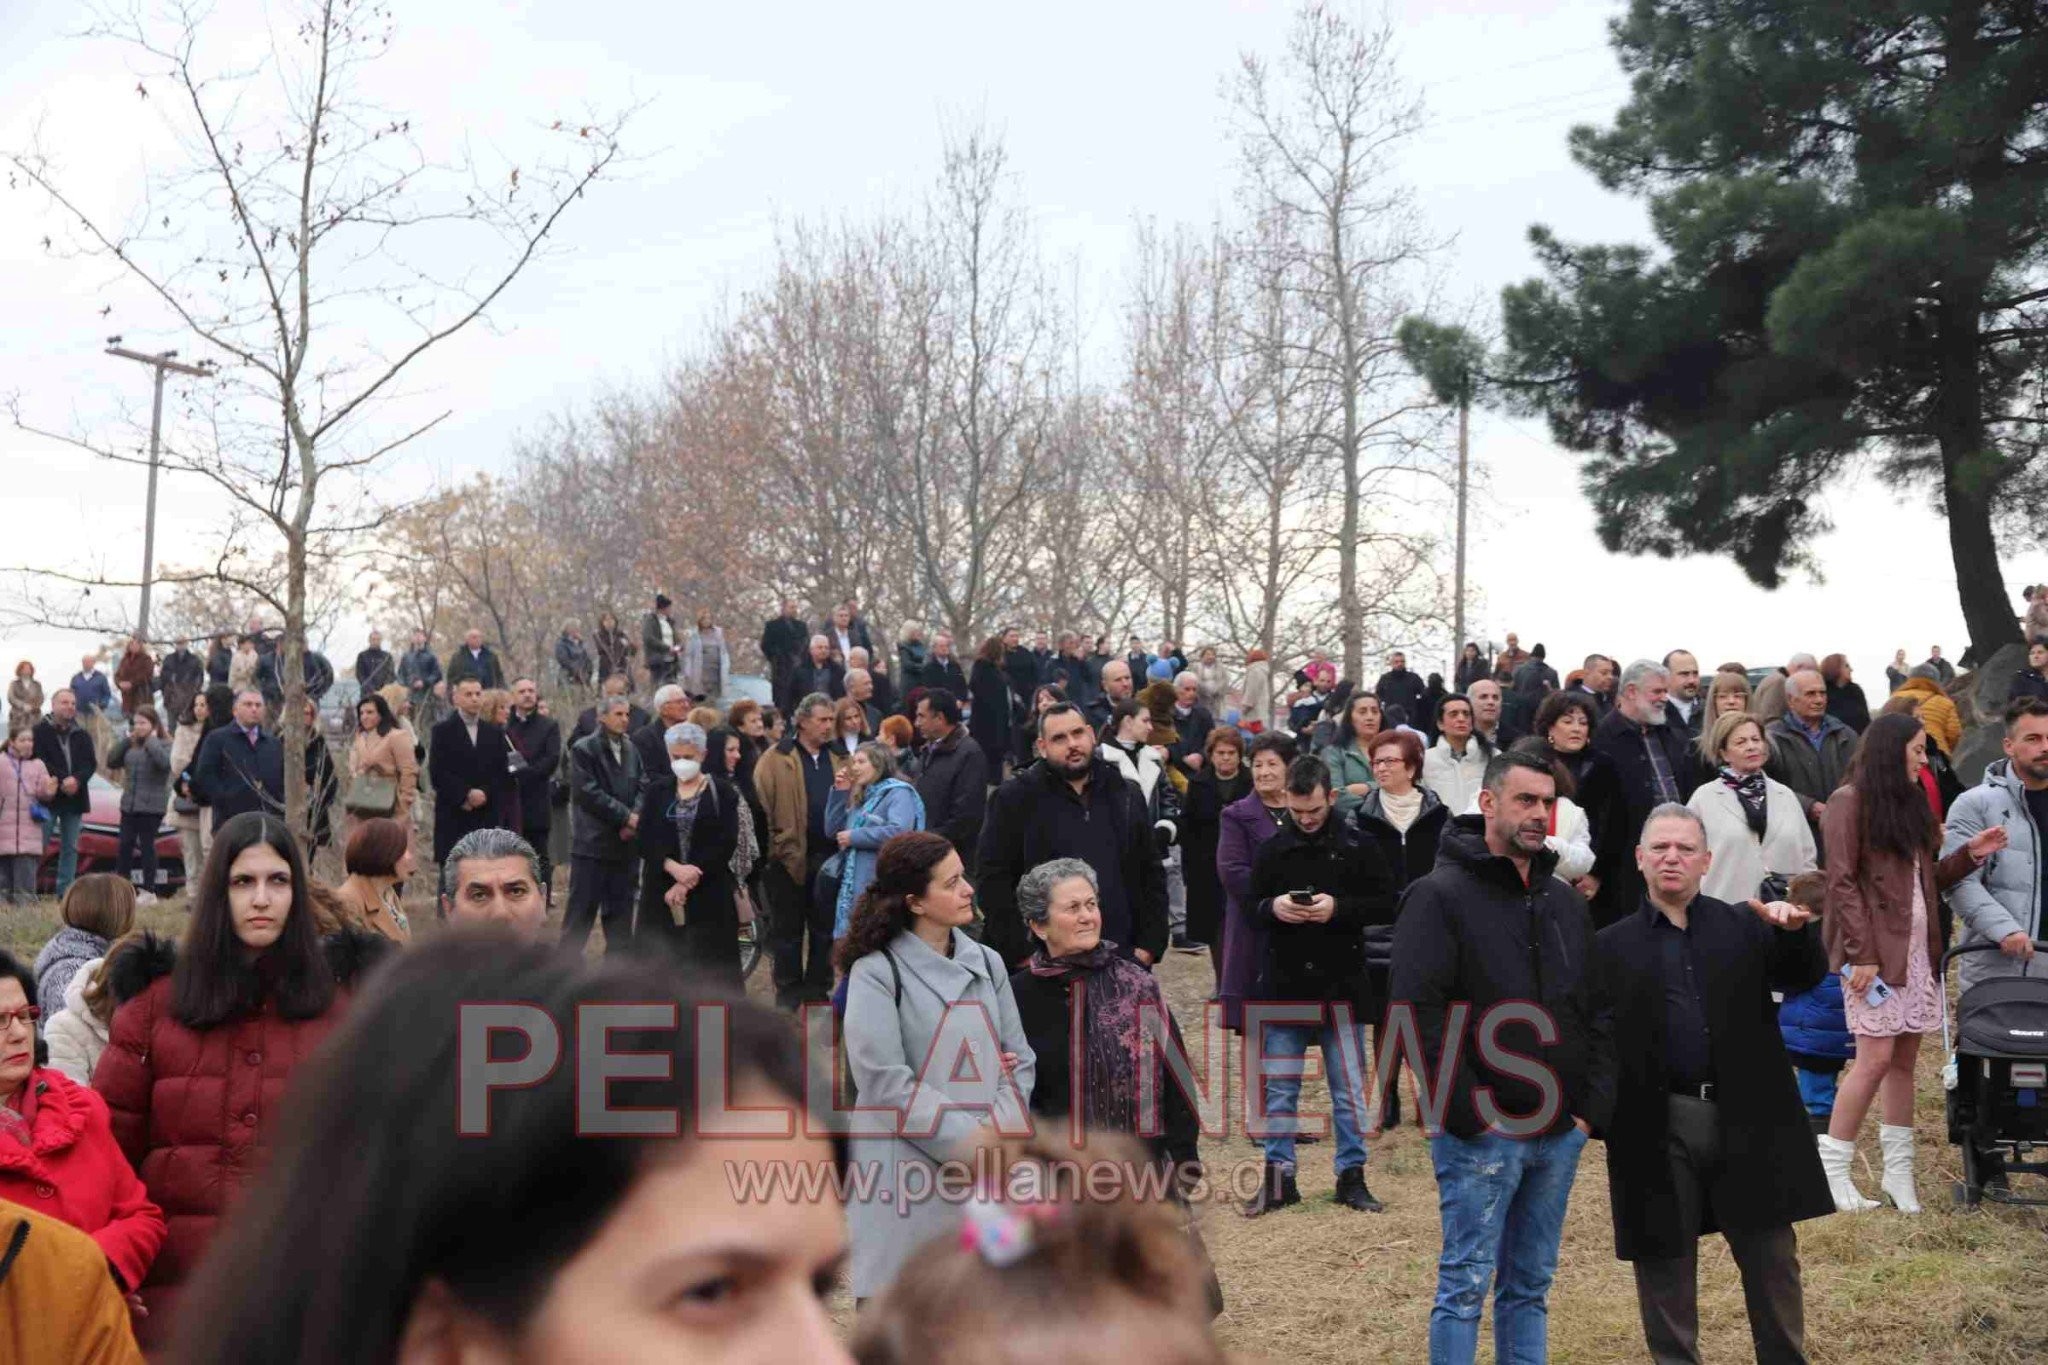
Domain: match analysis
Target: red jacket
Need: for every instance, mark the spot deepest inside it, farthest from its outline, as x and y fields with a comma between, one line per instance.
x=72, y=1169
x=194, y=1108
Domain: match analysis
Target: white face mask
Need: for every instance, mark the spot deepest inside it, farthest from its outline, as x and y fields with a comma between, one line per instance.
x=686, y=769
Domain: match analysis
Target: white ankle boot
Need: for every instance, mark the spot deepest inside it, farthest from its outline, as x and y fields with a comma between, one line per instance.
x=1898, y=1167
x=1835, y=1156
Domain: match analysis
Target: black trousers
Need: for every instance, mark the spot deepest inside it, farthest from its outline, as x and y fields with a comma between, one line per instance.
x=793, y=919
x=138, y=844
x=1667, y=1292
x=597, y=887
x=536, y=832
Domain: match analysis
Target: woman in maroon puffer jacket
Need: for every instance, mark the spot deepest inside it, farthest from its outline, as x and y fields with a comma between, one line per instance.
x=198, y=1058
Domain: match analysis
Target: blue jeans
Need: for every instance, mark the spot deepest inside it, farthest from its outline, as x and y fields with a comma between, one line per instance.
x=1283, y=1093
x=67, y=823
x=1502, y=1201
x=1816, y=1090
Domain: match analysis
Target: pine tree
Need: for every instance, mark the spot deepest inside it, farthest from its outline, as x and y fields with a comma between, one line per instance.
x=1850, y=202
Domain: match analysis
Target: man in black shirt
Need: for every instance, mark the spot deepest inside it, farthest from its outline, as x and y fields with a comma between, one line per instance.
x=1707, y=1131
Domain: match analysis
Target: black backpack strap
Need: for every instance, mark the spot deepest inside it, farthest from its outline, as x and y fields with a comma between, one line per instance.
x=895, y=975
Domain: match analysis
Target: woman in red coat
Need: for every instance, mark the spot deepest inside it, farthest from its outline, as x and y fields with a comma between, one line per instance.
x=198, y=1058
x=57, y=1151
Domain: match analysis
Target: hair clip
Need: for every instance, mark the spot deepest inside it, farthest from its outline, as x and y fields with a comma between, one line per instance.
x=1002, y=1234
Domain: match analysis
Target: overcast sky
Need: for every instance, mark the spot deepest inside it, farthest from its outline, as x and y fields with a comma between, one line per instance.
x=758, y=114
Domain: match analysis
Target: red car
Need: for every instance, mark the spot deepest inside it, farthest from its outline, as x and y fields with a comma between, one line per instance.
x=99, y=838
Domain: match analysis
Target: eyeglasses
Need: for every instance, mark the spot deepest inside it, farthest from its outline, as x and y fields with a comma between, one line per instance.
x=26, y=1015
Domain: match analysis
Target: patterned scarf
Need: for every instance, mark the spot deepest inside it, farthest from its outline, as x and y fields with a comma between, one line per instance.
x=1112, y=990
x=1753, y=794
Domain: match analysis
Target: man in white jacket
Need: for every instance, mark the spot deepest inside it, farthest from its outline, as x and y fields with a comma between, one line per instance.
x=1455, y=765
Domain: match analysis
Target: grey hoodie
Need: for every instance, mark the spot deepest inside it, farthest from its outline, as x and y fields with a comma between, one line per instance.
x=148, y=766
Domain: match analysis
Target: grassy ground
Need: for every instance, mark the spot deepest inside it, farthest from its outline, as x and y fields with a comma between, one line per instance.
x=1318, y=1283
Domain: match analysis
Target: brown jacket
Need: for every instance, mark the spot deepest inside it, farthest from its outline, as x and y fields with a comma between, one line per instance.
x=389, y=755
x=779, y=782
x=366, y=911
x=58, y=1300
x=1869, y=912
x=133, y=679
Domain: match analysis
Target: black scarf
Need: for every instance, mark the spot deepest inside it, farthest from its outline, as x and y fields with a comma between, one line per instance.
x=1753, y=792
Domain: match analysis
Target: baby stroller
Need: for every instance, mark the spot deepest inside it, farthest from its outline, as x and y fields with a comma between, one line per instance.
x=1997, y=1080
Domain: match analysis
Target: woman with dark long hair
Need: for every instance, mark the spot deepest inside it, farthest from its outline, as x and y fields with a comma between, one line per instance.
x=990, y=723
x=615, y=649
x=1884, y=882
x=199, y=1057
x=383, y=752
x=1349, y=755
x=386, y=1227
x=908, y=962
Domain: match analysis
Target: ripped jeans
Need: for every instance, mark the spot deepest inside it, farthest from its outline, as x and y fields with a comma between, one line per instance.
x=1502, y=1202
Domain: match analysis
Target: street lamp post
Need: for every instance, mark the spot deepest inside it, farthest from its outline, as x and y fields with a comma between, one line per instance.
x=159, y=363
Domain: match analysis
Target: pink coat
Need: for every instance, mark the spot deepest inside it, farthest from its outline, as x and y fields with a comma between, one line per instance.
x=21, y=784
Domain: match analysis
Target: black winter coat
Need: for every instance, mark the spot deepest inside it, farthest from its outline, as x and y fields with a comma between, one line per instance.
x=232, y=777
x=1035, y=817
x=1620, y=741
x=69, y=753
x=1323, y=961
x=1201, y=829
x=456, y=767
x=538, y=740
x=992, y=722
x=937, y=674
x=828, y=677
x=708, y=938
x=1772, y=1175
x=604, y=795
x=482, y=665
x=1045, y=1005
x=182, y=675
x=1472, y=932
x=954, y=789
x=1405, y=690
x=375, y=668
x=1410, y=857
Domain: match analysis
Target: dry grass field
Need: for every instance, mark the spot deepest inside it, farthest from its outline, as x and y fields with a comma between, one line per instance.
x=1321, y=1284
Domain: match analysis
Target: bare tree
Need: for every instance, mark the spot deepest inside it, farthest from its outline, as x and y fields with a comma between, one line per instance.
x=1320, y=137
x=309, y=240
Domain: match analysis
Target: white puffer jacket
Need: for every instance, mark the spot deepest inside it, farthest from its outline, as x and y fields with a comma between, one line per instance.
x=75, y=1034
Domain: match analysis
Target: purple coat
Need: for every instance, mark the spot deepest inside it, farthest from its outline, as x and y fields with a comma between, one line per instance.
x=1245, y=828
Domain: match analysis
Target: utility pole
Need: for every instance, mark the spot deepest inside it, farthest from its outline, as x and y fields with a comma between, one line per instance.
x=1458, y=586
x=159, y=363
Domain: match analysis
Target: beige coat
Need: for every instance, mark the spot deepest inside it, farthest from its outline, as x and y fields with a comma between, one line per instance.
x=388, y=755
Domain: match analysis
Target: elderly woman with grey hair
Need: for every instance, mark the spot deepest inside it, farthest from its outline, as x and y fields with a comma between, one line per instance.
x=689, y=826
x=868, y=805
x=1076, y=980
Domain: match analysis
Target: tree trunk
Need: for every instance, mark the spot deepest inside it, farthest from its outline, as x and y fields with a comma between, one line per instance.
x=291, y=664
x=1968, y=476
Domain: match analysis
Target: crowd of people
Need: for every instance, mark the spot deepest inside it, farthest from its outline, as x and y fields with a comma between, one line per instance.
x=1587, y=898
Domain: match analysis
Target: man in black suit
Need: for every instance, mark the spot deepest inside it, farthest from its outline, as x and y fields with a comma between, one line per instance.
x=1707, y=1131
x=240, y=767
x=469, y=764
x=604, y=789
x=536, y=742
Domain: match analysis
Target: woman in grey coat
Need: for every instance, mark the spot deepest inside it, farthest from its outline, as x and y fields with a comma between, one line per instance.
x=908, y=964
x=144, y=754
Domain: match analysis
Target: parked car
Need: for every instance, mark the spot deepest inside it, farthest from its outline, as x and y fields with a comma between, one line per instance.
x=746, y=687
x=99, y=839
